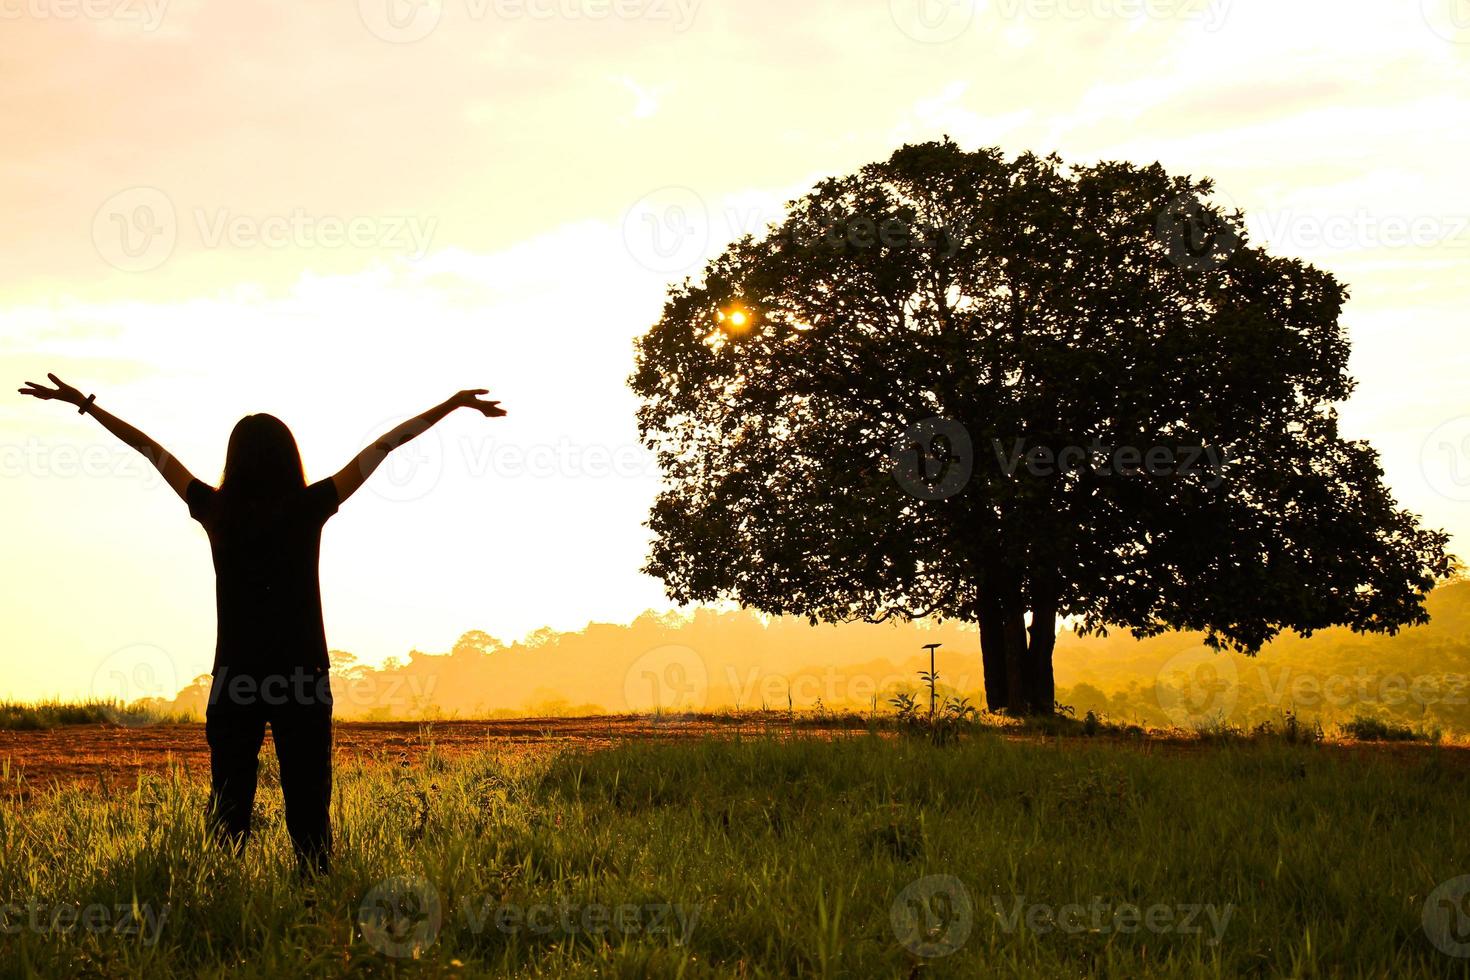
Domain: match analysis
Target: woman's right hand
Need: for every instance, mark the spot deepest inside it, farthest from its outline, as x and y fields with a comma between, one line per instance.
x=62, y=392
x=471, y=399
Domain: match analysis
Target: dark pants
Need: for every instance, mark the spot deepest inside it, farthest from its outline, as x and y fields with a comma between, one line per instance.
x=298, y=707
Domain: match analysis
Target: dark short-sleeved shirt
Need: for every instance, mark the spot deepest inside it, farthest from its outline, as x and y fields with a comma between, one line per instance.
x=268, y=597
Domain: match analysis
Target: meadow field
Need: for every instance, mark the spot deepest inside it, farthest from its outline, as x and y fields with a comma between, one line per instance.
x=761, y=850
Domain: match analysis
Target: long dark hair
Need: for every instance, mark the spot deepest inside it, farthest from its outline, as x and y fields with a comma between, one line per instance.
x=262, y=462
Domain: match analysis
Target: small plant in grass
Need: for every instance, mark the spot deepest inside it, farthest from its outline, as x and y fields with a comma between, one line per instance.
x=1060, y=723
x=1290, y=730
x=906, y=707
x=943, y=727
x=1218, y=729
x=895, y=832
x=960, y=709
x=931, y=681
x=1368, y=729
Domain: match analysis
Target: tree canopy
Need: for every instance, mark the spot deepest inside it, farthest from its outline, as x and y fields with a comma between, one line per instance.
x=996, y=389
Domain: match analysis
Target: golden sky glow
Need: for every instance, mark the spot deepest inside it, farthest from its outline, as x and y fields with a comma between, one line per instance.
x=341, y=213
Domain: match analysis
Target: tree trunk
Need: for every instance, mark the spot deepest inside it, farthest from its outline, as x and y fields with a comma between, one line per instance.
x=1005, y=658
x=993, y=659
x=1003, y=640
x=1041, y=692
x=1041, y=680
x=1018, y=674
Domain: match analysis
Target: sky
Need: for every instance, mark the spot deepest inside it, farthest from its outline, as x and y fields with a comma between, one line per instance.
x=342, y=213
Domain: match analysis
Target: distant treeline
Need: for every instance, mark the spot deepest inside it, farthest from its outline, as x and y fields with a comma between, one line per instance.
x=720, y=660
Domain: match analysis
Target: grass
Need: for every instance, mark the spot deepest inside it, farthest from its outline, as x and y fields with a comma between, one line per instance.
x=39, y=715
x=769, y=857
x=1368, y=729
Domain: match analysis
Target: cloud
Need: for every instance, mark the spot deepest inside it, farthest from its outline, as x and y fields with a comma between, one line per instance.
x=645, y=100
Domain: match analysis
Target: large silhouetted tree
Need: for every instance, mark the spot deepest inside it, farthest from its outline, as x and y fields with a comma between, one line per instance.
x=1011, y=391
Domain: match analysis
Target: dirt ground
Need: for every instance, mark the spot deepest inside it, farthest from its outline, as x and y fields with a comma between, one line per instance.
x=111, y=757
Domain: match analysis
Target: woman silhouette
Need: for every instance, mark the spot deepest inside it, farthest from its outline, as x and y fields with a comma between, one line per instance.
x=270, y=664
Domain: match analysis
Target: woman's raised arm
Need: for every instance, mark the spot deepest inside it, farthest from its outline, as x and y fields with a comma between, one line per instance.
x=355, y=473
x=174, y=473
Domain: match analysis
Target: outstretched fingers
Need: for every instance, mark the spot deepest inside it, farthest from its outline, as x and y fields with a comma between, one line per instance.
x=475, y=398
